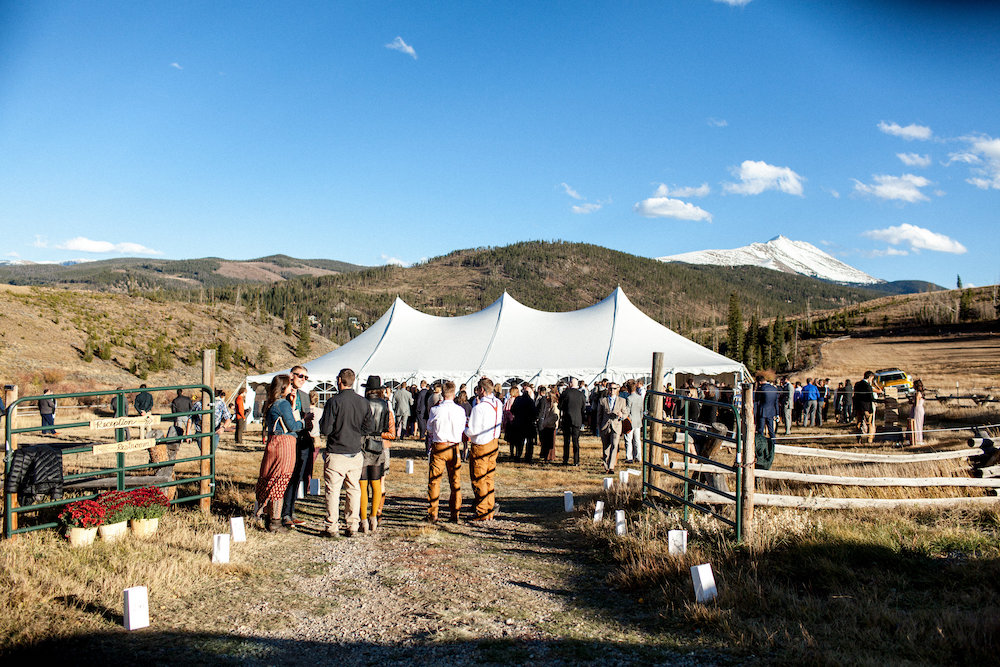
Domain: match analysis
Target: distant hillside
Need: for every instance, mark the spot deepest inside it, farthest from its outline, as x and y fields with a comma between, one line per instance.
x=554, y=276
x=135, y=273
x=81, y=338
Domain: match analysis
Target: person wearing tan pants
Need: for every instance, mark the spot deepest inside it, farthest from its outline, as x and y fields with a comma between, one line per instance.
x=483, y=432
x=445, y=427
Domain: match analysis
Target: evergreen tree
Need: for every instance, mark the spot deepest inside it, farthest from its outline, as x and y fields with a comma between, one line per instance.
x=966, y=311
x=302, y=349
x=958, y=282
x=734, y=340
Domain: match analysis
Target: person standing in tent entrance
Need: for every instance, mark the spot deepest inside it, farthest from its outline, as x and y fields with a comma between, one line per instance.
x=612, y=411
x=571, y=408
x=303, y=447
x=483, y=432
x=445, y=426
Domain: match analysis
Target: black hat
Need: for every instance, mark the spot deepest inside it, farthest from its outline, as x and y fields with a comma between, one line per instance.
x=373, y=382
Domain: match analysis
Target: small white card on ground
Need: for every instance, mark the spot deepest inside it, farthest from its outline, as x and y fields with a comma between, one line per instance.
x=666, y=460
x=599, y=511
x=409, y=466
x=136, y=608
x=677, y=542
x=220, y=548
x=678, y=437
x=568, y=500
x=301, y=493
x=623, y=477
x=633, y=471
x=314, y=487
x=608, y=482
x=704, y=582
x=238, y=529
x=620, y=527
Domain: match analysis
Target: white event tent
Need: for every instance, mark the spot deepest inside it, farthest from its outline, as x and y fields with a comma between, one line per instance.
x=611, y=339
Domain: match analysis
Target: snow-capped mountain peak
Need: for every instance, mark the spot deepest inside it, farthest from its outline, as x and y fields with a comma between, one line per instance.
x=780, y=254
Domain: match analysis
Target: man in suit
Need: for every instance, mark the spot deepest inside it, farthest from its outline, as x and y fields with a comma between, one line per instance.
x=765, y=406
x=612, y=410
x=787, y=402
x=347, y=418
x=420, y=405
x=571, y=408
x=864, y=407
x=302, y=471
x=402, y=403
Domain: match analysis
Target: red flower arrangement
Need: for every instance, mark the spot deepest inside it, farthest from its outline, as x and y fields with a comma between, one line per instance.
x=83, y=514
x=117, y=505
x=149, y=502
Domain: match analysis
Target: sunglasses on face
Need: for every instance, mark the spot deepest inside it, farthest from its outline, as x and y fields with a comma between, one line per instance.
x=300, y=375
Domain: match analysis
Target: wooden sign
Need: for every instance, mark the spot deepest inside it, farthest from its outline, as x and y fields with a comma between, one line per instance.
x=125, y=446
x=147, y=421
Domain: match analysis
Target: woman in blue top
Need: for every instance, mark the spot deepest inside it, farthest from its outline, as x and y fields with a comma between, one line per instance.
x=281, y=423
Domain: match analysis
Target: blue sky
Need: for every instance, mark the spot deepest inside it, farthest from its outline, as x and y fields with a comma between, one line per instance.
x=391, y=132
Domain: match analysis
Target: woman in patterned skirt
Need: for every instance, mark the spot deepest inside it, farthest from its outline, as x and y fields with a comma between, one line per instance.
x=281, y=424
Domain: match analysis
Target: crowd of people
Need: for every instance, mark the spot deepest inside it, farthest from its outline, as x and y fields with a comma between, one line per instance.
x=355, y=434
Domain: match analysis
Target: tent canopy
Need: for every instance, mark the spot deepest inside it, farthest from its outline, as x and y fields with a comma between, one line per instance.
x=611, y=339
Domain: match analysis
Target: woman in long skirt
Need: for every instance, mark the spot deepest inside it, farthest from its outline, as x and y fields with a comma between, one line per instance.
x=281, y=425
x=918, y=412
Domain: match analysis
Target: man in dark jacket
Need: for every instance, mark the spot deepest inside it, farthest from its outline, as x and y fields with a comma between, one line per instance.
x=522, y=425
x=864, y=407
x=571, y=408
x=346, y=420
x=143, y=401
x=47, y=410
x=765, y=406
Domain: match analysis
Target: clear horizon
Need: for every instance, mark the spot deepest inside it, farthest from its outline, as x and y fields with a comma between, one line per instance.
x=377, y=134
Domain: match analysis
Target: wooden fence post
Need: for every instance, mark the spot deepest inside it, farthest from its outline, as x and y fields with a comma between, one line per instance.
x=9, y=396
x=749, y=436
x=208, y=379
x=656, y=428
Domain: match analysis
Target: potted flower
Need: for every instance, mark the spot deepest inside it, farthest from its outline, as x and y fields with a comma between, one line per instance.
x=148, y=505
x=118, y=510
x=81, y=518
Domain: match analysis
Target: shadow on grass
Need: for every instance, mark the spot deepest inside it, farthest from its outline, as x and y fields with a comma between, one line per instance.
x=151, y=647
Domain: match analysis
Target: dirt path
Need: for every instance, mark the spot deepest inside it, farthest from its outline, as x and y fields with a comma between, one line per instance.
x=520, y=588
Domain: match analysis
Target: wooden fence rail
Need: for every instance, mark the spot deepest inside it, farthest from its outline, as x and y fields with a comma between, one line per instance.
x=838, y=480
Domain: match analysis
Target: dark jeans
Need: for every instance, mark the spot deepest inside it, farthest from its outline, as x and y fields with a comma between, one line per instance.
x=301, y=473
x=571, y=433
x=48, y=420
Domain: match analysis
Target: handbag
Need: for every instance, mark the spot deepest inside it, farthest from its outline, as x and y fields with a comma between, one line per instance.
x=372, y=445
x=627, y=425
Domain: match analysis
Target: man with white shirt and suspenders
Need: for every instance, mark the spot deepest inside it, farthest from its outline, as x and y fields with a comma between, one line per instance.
x=483, y=432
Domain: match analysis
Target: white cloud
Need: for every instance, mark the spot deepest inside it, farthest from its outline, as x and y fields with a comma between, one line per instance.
x=14, y=254
x=702, y=190
x=586, y=208
x=833, y=193
x=83, y=244
x=570, y=191
x=40, y=241
x=900, y=188
x=399, y=45
x=757, y=176
x=718, y=122
x=176, y=65
x=917, y=238
x=910, y=132
x=734, y=3
x=914, y=159
x=664, y=207
x=984, y=154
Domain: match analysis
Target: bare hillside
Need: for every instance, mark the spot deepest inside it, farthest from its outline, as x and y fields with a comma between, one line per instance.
x=47, y=336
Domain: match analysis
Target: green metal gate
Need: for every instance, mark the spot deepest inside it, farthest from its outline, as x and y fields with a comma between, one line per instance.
x=120, y=471
x=683, y=421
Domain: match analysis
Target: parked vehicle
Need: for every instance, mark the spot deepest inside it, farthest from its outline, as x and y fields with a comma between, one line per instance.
x=893, y=377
